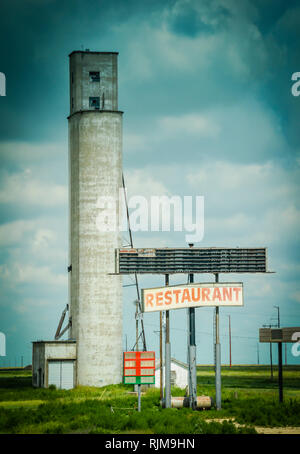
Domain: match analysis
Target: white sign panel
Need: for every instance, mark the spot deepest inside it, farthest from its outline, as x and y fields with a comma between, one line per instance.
x=192, y=295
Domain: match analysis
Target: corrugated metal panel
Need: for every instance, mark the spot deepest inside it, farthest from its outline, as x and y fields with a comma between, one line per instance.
x=61, y=374
x=67, y=374
x=54, y=373
x=191, y=260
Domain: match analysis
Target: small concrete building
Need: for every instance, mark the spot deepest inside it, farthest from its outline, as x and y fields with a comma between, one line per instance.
x=179, y=373
x=54, y=363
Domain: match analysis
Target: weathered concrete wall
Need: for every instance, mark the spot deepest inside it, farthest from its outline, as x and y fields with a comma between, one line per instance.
x=95, y=153
x=38, y=364
x=81, y=88
x=60, y=350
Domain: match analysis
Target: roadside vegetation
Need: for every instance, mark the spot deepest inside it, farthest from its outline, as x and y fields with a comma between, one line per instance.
x=249, y=398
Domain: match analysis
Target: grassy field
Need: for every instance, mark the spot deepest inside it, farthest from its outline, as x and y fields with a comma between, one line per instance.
x=249, y=397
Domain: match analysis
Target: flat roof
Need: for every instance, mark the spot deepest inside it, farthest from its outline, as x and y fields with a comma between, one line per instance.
x=90, y=52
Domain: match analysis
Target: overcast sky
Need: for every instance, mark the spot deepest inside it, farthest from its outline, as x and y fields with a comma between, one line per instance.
x=205, y=86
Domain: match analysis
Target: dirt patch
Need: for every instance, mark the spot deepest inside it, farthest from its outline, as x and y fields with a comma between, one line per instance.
x=263, y=430
x=278, y=430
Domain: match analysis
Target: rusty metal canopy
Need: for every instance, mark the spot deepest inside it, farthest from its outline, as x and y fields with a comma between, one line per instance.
x=279, y=334
x=191, y=260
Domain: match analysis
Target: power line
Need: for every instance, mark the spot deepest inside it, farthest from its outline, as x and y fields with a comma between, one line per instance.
x=206, y=332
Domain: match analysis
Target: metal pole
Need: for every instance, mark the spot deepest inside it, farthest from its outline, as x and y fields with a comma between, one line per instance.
x=192, y=355
x=271, y=362
x=218, y=358
x=280, y=384
x=161, y=357
x=229, y=342
x=139, y=397
x=285, y=353
x=167, y=355
x=137, y=327
x=278, y=316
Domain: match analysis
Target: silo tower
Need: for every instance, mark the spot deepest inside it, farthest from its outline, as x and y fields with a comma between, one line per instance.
x=95, y=170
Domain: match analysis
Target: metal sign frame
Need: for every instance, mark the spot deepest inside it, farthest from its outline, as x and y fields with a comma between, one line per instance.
x=276, y=335
x=191, y=260
x=279, y=336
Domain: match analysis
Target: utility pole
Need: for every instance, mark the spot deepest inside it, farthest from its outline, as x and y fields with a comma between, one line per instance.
x=285, y=354
x=137, y=325
x=137, y=347
x=192, y=352
x=161, y=355
x=280, y=384
x=257, y=353
x=271, y=361
x=229, y=341
x=271, y=364
x=167, y=356
x=278, y=316
x=217, y=358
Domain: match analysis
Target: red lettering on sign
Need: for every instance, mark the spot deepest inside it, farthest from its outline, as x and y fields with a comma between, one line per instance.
x=176, y=292
x=236, y=291
x=227, y=294
x=186, y=296
x=168, y=297
x=216, y=294
x=149, y=299
x=197, y=297
x=205, y=294
x=159, y=298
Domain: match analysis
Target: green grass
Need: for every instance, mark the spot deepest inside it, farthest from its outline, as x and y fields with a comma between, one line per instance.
x=248, y=395
x=254, y=377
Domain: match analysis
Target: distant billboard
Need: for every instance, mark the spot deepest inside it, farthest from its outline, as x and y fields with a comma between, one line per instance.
x=289, y=334
x=192, y=295
x=191, y=260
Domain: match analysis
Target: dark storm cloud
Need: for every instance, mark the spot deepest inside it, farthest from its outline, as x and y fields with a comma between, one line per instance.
x=36, y=37
x=192, y=18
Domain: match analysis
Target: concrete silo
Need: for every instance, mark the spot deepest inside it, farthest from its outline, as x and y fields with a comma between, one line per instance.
x=95, y=170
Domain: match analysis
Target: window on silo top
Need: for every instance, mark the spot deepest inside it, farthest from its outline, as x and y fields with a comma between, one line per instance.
x=94, y=102
x=94, y=76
